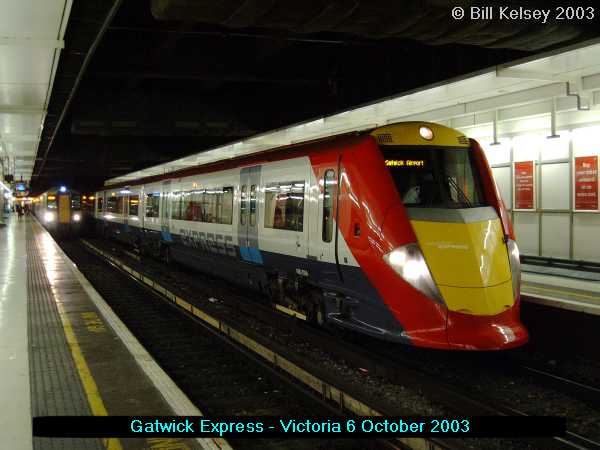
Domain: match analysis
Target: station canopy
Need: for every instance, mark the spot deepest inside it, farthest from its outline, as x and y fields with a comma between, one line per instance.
x=31, y=39
x=561, y=81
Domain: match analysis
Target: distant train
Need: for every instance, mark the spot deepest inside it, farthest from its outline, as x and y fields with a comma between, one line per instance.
x=398, y=232
x=61, y=210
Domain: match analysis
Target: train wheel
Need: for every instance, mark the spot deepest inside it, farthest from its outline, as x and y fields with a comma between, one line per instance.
x=317, y=314
x=167, y=255
x=320, y=316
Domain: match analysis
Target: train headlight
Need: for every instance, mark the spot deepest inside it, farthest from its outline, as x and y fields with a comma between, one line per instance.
x=426, y=133
x=515, y=266
x=408, y=262
x=76, y=217
x=48, y=217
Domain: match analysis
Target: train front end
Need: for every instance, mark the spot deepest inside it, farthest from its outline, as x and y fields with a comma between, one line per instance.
x=462, y=261
x=61, y=211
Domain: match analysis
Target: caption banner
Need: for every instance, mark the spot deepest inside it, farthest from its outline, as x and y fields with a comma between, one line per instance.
x=271, y=427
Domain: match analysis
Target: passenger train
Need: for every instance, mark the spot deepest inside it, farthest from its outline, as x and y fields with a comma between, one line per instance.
x=397, y=232
x=60, y=210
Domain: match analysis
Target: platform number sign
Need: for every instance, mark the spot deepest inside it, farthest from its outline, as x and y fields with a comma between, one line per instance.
x=586, y=183
x=524, y=185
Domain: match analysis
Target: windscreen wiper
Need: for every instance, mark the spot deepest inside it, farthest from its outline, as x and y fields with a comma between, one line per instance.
x=459, y=191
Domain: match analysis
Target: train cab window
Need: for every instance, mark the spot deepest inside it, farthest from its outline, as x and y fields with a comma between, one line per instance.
x=134, y=204
x=329, y=184
x=243, y=204
x=435, y=177
x=51, y=202
x=153, y=204
x=252, y=220
x=75, y=201
x=284, y=205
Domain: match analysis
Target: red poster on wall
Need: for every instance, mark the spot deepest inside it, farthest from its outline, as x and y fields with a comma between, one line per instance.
x=524, y=190
x=586, y=182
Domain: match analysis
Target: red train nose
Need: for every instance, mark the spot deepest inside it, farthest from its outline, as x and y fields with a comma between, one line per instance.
x=499, y=332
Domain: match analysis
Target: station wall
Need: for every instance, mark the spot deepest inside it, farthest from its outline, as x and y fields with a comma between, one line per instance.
x=557, y=223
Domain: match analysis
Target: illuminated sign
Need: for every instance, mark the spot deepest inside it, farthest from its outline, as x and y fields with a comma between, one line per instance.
x=405, y=162
x=524, y=186
x=586, y=183
x=21, y=187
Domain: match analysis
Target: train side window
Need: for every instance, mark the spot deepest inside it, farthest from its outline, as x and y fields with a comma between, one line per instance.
x=284, y=205
x=225, y=206
x=153, y=204
x=111, y=204
x=209, y=206
x=176, y=205
x=119, y=205
x=329, y=183
x=243, y=205
x=191, y=205
x=134, y=204
x=100, y=204
x=253, y=205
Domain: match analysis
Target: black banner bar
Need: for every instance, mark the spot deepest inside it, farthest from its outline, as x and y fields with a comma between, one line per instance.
x=310, y=427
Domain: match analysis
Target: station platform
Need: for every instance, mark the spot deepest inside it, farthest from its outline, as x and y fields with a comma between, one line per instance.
x=563, y=288
x=64, y=352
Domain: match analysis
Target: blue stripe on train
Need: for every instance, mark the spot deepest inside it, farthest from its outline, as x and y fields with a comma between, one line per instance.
x=251, y=254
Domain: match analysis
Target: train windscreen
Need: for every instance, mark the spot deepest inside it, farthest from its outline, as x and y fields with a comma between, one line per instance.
x=435, y=177
x=51, y=202
x=75, y=201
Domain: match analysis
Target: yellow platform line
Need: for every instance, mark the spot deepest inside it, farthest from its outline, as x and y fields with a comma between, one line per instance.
x=325, y=389
x=85, y=375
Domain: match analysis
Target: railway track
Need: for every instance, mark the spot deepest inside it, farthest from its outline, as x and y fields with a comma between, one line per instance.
x=577, y=389
x=455, y=399
x=220, y=378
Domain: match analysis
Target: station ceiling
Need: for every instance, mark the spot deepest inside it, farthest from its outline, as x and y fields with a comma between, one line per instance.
x=159, y=79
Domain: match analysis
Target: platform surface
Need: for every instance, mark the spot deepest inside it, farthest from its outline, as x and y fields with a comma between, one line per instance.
x=561, y=288
x=58, y=353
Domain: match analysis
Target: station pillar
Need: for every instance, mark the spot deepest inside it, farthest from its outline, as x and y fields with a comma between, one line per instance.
x=2, y=209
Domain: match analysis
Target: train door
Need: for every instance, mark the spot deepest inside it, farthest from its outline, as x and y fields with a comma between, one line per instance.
x=64, y=208
x=142, y=208
x=249, y=215
x=324, y=228
x=164, y=211
x=126, y=211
